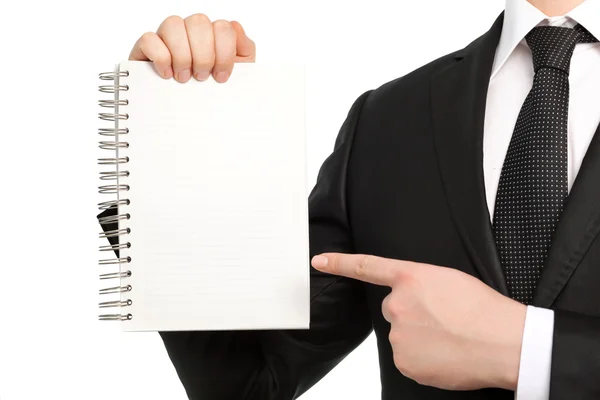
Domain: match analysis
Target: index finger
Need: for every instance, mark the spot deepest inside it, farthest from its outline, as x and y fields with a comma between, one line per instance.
x=150, y=47
x=366, y=268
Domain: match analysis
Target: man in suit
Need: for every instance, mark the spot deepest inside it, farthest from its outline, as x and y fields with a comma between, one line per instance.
x=457, y=217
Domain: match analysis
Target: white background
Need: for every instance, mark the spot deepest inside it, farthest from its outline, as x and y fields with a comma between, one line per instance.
x=51, y=345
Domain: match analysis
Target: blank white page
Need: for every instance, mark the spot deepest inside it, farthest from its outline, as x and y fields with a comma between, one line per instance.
x=219, y=210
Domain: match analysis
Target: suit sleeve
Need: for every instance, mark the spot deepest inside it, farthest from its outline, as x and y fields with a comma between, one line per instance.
x=281, y=365
x=575, y=372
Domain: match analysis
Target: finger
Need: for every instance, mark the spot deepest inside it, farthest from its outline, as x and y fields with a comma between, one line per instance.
x=225, y=45
x=172, y=32
x=245, y=47
x=366, y=268
x=202, y=45
x=385, y=308
x=150, y=47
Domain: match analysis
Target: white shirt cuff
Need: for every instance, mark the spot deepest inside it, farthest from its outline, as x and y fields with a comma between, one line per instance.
x=536, y=355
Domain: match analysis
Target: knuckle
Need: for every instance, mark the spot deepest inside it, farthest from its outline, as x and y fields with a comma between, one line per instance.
x=405, y=362
x=203, y=62
x=203, y=58
x=150, y=44
x=391, y=308
x=183, y=58
x=362, y=265
x=401, y=276
x=406, y=370
x=422, y=376
x=406, y=279
x=222, y=25
x=223, y=67
x=394, y=337
x=400, y=364
x=197, y=19
x=172, y=21
x=147, y=38
x=162, y=60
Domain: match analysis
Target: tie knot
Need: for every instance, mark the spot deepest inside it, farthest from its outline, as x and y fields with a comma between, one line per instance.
x=553, y=46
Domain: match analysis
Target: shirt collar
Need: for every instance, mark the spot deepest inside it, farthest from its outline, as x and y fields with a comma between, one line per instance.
x=520, y=17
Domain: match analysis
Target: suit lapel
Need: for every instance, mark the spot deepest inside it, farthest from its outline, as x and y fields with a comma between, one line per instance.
x=579, y=224
x=459, y=95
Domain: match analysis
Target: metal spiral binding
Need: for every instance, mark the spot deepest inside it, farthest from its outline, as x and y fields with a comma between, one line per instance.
x=115, y=146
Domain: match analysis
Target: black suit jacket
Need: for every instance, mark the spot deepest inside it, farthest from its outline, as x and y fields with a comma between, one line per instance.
x=405, y=181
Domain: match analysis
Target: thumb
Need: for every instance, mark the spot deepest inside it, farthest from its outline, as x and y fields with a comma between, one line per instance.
x=245, y=47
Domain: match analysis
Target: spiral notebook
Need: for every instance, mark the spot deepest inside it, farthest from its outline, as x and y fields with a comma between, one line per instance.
x=204, y=216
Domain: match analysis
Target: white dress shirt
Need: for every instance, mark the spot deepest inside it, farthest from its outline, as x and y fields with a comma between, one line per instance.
x=510, y=82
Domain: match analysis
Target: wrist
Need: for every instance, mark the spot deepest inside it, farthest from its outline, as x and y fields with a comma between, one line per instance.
x=507, y=351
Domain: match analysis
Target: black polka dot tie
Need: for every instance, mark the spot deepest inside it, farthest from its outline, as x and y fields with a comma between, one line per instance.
x=533, y=184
